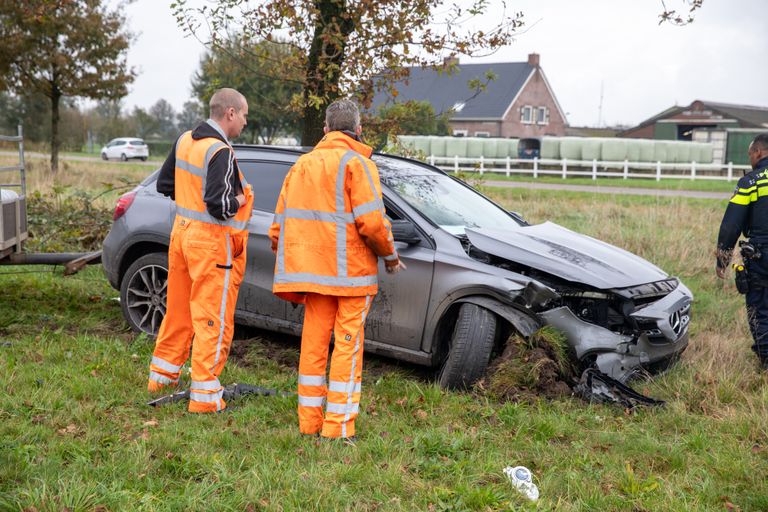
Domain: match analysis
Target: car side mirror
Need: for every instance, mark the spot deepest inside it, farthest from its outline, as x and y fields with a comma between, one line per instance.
x=404, y=231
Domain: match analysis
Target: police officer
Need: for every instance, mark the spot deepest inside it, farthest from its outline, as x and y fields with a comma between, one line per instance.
x=747, y=213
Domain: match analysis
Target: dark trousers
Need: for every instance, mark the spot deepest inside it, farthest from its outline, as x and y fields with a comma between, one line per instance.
x=757, y=305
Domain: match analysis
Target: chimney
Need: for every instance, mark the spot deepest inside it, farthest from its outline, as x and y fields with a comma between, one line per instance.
x=450, y=61
x=533, y=59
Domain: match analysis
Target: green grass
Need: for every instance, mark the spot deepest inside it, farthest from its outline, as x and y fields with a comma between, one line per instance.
x=665, y=184
x=75, y=433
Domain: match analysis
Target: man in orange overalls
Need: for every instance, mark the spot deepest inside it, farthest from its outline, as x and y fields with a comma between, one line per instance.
x=330, y=227
x=206, y=258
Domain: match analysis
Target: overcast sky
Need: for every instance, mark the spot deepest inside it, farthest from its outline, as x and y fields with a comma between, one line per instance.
x=585, y=45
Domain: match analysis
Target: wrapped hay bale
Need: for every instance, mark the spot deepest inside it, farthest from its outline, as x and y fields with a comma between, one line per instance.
x=683, y=152
x=550, y=148
x=490, y=148
x=406, y=140
x=614, y=150
x=456, y=146
x=647, y=150
x=512, y=148
x=474, y=147
x=704, y=152
x=421, y=143
x=633, y=150
x=437, y=146
x=570, y=147
x=660, y=151
x=591, y=149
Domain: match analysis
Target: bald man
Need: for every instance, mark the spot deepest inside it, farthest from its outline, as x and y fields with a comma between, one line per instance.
x=206, y=257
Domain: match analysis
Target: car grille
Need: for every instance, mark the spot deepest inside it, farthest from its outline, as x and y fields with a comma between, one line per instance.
x=678, y=321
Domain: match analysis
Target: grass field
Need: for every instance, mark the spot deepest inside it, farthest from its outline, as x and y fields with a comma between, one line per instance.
x=75, y=433
x=665, y=184
x=109, y=179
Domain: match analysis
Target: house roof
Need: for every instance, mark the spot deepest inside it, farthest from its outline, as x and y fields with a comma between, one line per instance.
x=756, y=116
x=747, y=115
x=447, y=92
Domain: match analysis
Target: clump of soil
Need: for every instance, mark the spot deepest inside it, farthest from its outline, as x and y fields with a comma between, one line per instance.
x=540, y=366
x=249, y=345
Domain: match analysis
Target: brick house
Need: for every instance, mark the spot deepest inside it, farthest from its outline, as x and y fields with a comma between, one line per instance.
x=519, y=103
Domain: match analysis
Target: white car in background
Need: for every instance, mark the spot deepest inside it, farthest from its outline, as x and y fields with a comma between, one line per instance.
x=125, y=148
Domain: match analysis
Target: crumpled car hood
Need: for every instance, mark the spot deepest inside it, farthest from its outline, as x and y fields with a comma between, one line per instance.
x=564, y=253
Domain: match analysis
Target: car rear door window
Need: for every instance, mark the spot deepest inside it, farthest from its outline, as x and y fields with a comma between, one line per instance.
x=266, y=178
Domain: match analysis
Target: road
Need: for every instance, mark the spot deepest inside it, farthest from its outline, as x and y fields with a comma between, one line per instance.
x=610, y=190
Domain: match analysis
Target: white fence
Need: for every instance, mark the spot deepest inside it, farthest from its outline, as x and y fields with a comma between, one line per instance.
x=588, y=168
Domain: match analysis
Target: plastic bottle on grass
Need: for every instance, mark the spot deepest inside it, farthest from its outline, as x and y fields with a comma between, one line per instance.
x=522, y=478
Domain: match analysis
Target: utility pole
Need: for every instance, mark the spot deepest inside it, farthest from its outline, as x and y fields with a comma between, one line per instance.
x=600, y=107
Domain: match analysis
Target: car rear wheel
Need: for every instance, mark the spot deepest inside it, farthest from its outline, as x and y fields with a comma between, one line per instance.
x=143, y=292
x=143, y=159
x=123, y=157
x=470, y=347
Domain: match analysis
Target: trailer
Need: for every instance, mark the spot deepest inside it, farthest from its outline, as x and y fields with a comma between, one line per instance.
x=13, y=220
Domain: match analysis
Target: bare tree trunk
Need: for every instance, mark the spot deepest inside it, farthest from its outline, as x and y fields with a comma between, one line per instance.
x=55, y=142
x=326, y=55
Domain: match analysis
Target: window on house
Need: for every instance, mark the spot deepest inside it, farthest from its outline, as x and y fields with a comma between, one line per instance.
x=459, y=133
x=526, y=114
x=482, y=134
x=542, y=115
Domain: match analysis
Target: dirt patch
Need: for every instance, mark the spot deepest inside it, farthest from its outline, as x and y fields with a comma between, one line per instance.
x=529, y=369
x=249, y=345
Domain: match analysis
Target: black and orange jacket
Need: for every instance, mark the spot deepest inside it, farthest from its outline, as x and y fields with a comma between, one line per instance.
x=223, y=183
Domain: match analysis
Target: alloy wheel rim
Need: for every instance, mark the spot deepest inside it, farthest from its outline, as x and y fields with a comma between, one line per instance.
x=146, y=297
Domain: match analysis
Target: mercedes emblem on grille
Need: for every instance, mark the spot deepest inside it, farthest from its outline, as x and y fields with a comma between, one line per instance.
x=675, y=323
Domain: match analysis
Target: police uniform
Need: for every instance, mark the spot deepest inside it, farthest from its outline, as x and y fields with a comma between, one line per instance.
x=747, y=213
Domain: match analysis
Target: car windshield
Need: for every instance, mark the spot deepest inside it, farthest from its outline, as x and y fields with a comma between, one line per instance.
x=448, y=203
x=136, y=142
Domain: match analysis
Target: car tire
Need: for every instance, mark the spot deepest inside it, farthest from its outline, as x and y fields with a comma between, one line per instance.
x=143, y=292
x=143, y=159
x=123, y=157
x=104, y=156
x=470, y=347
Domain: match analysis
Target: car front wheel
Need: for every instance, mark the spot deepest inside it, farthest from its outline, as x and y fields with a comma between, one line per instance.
x=143, y=292
x=470, y=347
x=104, y=156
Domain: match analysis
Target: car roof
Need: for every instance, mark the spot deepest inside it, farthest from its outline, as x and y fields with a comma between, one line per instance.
x=389, y=165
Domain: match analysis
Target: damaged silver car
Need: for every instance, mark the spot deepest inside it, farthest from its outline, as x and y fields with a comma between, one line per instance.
x=476, y=273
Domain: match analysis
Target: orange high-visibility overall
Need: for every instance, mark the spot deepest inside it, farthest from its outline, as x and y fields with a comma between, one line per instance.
x=206, y=263
x=329, y=228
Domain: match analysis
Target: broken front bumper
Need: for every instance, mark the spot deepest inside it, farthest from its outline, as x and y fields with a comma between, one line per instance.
x=663, y=334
